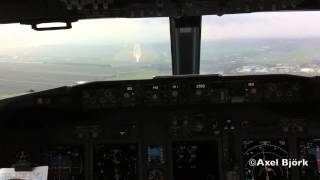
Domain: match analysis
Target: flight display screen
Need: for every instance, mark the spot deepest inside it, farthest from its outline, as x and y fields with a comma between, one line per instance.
x=116, y=162
x=309, y=149
x=255, y=151
x=195, y=160
x=65, y=162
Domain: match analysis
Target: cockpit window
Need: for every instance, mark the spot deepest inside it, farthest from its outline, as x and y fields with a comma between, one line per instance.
x=93, y=50
x=261, y=43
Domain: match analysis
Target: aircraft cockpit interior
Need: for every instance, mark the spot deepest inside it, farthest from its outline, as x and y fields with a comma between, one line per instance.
x=160, y=89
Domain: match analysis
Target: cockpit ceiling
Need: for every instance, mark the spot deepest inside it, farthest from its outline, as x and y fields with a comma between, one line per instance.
x=41, y=11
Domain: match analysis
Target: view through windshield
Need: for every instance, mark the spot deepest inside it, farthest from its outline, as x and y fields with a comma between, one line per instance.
x=94, y=50
x=261, y=43
x=118, y=49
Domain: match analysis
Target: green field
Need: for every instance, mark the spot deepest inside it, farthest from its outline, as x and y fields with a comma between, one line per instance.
x=48, y=67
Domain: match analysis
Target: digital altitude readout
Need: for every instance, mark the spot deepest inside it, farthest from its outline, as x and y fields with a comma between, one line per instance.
x=271, y=151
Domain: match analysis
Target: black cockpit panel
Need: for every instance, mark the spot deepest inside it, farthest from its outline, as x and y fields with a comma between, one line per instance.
x=167, y=128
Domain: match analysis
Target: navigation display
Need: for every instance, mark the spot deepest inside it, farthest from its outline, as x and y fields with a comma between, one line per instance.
x=272, y=151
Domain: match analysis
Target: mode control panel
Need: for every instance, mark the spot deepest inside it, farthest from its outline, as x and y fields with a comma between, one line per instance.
x=192, y=91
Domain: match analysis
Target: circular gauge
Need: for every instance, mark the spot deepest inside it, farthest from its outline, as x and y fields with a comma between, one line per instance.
x=265, y=151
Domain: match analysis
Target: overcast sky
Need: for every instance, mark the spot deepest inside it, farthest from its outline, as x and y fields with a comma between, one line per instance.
x=255, y=25
x=262, y=25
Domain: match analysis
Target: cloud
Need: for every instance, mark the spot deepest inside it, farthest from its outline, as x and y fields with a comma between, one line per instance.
x=262, y=25
x=102, y=31
x=147, y=30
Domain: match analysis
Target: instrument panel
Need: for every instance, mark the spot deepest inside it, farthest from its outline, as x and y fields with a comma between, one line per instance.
x=181, y=128
x=180, y=91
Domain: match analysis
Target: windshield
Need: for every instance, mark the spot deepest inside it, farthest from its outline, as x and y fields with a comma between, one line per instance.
x=261, y=43
x=93, y=50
